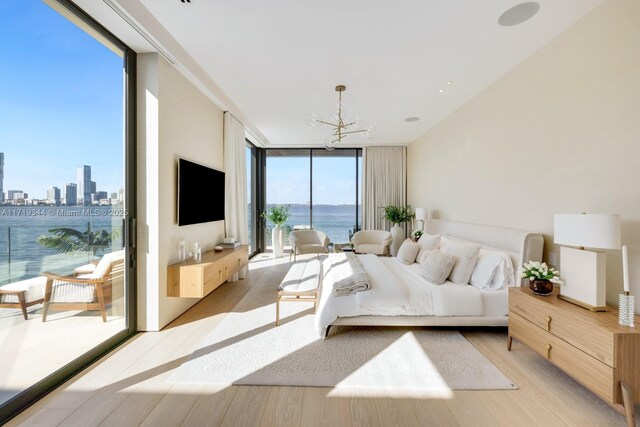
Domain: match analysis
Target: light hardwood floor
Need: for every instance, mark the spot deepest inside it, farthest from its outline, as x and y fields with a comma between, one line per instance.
x=128, y=388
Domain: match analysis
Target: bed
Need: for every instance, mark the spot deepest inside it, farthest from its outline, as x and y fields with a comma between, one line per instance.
x=400, y=296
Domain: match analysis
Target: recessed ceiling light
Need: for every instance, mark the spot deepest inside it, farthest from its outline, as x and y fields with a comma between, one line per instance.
x=518, y=14
x=449, y=83
x=441, y=90
x=411, y=119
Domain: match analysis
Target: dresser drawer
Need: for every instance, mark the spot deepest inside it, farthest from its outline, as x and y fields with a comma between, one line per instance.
x=592, y=373
x=575, y=326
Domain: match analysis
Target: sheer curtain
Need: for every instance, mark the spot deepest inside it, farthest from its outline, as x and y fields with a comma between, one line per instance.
x=236, y=221
x=384, y=183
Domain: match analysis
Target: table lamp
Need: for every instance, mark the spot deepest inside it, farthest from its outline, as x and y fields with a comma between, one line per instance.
x=421, y=215
x=584, y=271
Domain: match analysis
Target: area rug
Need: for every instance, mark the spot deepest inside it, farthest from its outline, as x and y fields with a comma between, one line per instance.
x=247, y=349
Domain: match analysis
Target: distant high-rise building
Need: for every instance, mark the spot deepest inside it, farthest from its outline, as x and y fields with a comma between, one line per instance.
x=53, y=196
x=1, y=177
x=93, y=187
x=15, y=194
x=71, y=194
x=84, y=185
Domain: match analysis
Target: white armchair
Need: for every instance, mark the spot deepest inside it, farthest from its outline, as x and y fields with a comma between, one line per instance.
x=372, y=242
x=308, y=242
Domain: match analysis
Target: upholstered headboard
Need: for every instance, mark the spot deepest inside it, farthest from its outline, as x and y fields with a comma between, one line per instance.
x=523, y=246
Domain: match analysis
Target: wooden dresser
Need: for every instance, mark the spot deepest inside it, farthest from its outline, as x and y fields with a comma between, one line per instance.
x=196, y=279
x=589, y=346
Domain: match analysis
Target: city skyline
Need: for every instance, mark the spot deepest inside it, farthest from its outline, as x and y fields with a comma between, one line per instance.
x=61, y=103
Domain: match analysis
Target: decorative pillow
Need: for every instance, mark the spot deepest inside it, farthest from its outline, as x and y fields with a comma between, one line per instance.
x=493, y=271
x=466, y=256
x=504, y=275
x=427, y=242
x=408, y=252
x=437, y=266
x=423, y=254
x=485, y=269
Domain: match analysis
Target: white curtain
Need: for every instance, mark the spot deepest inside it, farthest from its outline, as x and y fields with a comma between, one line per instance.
x=384, y=183
x=235, y=206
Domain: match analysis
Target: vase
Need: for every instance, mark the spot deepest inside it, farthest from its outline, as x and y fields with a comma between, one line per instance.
x=397, y=234
x=541, y=287
x=276, y=238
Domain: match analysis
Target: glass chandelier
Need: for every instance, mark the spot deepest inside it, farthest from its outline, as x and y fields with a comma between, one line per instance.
x=341, y=127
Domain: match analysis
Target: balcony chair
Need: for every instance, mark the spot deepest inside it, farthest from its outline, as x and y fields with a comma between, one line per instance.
x=23, y=294
x=308, y=242
x=89, y=288
x=372, y=242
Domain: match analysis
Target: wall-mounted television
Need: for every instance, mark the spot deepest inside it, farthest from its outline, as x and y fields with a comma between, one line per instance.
x=200, y=193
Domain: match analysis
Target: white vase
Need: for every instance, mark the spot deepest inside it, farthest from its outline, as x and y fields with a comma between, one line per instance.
x=397, y=233
x=276, y=238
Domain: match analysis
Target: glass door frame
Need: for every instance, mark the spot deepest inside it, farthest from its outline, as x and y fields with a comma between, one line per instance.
x=256, y=198
x=262, y=186
x=26, y=398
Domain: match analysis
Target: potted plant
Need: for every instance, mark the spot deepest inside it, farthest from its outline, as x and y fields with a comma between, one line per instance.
x=277, y=214
x=417, y=235
x=541, y=277
x=397, y=215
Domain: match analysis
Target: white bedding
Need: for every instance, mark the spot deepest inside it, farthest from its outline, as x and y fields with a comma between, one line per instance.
x=400, y=290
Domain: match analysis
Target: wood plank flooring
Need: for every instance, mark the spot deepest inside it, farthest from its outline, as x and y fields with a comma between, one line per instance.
x=128, y=388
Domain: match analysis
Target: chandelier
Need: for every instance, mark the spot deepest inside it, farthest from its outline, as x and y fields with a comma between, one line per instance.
x=341, y=127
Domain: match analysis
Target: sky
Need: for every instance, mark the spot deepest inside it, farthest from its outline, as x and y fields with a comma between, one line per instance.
x=334, y=180
x=61, y=96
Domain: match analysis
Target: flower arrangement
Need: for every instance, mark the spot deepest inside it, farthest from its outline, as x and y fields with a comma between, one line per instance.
x=277, y=214
x=534, y=270
x=417, y=235
x=397, y=214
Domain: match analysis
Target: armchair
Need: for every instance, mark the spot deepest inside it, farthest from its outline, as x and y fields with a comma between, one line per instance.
x=372, y=242
x=84, y=291
x=308, y=242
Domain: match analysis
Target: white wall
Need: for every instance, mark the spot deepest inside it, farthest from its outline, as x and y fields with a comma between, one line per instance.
x=560, y=133
x=174, y=120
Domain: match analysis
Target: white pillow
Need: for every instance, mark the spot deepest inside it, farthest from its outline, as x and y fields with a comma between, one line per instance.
x=493, y=271
x=466, y=255
x=408, y=252
x=427, y=242
x=437, y=267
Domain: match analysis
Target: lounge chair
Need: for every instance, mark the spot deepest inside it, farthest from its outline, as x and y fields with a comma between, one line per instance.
x=83, y=290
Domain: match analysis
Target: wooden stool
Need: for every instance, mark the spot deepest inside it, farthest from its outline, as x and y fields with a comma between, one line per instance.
x=301, y=284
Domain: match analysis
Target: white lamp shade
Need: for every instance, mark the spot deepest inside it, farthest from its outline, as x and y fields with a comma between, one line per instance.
x=421, y=214
x=600, y=231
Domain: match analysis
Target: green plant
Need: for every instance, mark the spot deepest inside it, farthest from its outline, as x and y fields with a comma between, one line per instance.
x=67, y=240
x=534, y=270
x=277, y=214
x=417, y=234
x=397, y=214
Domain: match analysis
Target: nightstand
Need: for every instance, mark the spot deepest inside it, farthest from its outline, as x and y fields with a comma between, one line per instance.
x=589, y=346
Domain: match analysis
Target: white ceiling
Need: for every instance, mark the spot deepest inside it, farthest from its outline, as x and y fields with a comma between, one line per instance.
x=277, y=61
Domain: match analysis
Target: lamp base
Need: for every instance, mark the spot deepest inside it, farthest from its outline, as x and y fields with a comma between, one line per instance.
x=582, y=304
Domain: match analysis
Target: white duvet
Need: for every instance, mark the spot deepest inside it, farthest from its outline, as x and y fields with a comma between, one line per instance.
x=397, y=290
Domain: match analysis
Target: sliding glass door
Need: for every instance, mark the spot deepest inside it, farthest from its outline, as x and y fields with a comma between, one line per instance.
x=67, y=200
x=252, y=193
x=321, y=189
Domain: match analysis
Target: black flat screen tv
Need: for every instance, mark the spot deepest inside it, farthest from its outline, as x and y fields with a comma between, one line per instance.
x=200, y=193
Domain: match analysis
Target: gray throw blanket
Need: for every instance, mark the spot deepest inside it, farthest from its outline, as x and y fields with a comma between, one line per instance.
x=348, y=275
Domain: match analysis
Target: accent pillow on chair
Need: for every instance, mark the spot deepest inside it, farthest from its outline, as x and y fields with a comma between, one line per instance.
x=466, y=255
x=437, y=266
x=408, y=252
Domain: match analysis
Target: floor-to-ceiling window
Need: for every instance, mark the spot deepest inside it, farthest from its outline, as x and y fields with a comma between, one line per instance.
x=66, y=195
x=320, y=187
x=287, y=175
x=252, y=208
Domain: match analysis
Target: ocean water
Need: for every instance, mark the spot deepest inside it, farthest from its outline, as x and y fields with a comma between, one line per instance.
x=335, y=220
x=21, y=256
